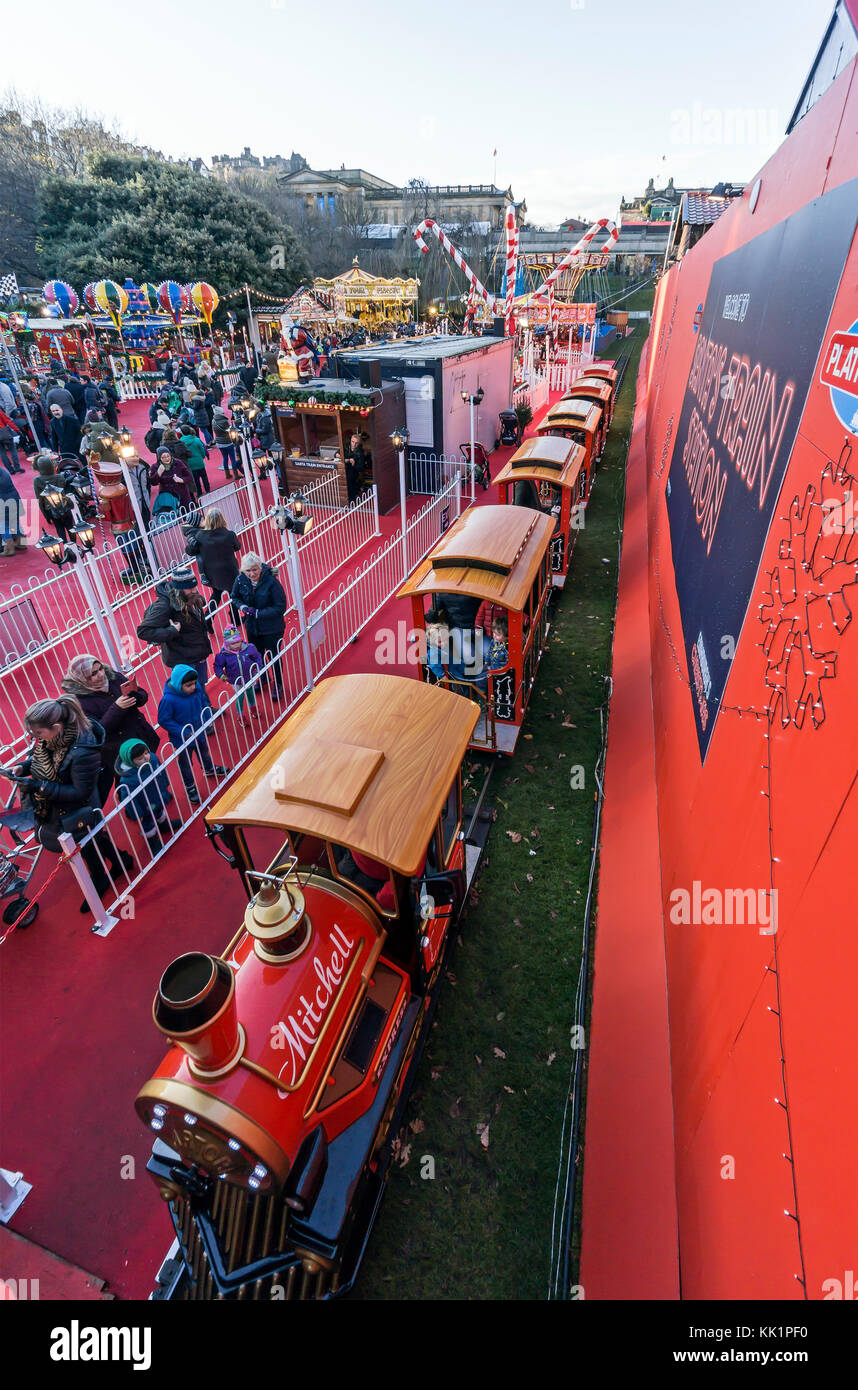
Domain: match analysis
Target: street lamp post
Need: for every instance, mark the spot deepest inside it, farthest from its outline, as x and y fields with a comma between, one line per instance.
x=473, y=400
x=399, y=440
x=60, y=552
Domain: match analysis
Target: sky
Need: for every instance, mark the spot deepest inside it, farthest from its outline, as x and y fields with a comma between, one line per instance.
x=583, y=101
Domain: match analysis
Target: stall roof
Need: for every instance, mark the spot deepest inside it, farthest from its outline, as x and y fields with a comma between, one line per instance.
x=544, y=458
x=420, y=349
x=366, y=761
x=491, y=553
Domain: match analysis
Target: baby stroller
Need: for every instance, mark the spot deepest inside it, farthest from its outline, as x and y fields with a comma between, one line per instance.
x=510, y=429
x=481, y=463
x=17, y=865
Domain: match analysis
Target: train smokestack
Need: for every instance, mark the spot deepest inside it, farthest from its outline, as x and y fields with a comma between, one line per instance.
x=195, y=1008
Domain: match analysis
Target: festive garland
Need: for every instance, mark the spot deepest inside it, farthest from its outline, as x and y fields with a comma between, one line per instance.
x=291, y=395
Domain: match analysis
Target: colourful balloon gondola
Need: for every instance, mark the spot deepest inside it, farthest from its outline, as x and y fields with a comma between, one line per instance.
x=111, y=299
x=205, y=298
x=170, y=299
x=61, y=296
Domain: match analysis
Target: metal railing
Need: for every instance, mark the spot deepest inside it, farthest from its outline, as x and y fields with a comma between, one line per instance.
x=231, y=734
x=432, y=473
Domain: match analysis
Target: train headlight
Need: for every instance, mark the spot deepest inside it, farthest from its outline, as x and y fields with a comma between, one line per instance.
x=157, y=1124
x=234, y=1145
x=160, y=1111
x=260, y=1171
x=189, y=1119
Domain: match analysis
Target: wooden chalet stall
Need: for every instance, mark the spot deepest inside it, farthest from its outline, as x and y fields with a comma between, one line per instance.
x=315, y=424
x=492, y=563
x=578, y=421
x=550, y=475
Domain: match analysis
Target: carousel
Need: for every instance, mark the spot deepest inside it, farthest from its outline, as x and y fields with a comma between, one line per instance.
x=369, y=300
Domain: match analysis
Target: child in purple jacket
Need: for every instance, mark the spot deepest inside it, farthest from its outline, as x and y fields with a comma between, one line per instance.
x=237, y=663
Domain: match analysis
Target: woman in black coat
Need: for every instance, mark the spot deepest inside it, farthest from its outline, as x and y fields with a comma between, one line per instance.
x=98, y=690
x=216, y=547
x=259, y=597
x=60, y=779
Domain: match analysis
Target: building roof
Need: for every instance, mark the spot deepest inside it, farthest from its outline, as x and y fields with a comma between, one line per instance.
x=366, y=761
x=491, y=553
x=698, y=209
x=418, y=350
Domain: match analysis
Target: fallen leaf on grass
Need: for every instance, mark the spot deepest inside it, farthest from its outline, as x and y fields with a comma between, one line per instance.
x=455, y=1112
x=528, y=767
x=478, y=1060
x=529, y=877
x=499, y=1053
x=500, y=1016
x=509, y=1090
x=404, y=1155
x=551, y=1057
x=514, y=836
x=527, y=735
x=483, y=1132
x=436, y=1072
x=557, y=690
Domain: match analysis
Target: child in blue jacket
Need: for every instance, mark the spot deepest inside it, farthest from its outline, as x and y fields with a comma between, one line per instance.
x=138, y=768
x=237, y=663
x=184, y=708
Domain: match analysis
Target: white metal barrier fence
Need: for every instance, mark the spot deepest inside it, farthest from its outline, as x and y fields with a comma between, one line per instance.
x=432, y=473
x=97, y=604
x=120, y=845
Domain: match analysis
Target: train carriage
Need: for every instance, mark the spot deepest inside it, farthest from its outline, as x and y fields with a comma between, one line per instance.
x=551, y=474
x=600, y=392
x=578, y=420
x=292, y=1054
x=492, y=565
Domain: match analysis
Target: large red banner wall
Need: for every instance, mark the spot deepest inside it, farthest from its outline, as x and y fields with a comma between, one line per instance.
x=754, y=623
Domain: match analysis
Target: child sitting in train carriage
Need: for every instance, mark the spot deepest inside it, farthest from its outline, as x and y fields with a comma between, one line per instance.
x=497, y=656
x=437, y=641
x=237, y=663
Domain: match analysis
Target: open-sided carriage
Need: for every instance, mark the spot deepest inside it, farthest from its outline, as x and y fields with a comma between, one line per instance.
x=580, y=422
x=490, y=568
x=550, y=474
x=292, y=1054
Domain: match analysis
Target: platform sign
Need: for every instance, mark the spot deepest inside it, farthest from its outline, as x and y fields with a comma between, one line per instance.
x=759, y=337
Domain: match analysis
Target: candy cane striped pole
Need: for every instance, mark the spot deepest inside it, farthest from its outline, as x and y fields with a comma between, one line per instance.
x=511, y=265
x=470, y=310
x=456, y=256
x=583, y=245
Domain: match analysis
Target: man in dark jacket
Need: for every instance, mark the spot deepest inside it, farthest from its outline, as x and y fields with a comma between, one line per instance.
x=259, y=597
x=177, y=622
x=247, y=376
x=65, y=430
x=58, y=395
x=75, y=388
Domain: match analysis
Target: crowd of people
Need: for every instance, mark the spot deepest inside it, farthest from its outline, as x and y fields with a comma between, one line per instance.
x=95, y=734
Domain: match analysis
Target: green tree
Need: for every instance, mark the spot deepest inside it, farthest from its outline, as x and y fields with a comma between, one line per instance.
x=153, y=221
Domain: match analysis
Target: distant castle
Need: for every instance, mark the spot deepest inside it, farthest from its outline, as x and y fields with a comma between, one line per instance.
x=226, y=165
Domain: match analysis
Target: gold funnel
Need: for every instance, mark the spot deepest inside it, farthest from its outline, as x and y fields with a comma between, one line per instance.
x=276, y=917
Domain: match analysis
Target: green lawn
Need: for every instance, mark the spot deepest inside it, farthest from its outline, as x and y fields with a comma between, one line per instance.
x=499, y=1055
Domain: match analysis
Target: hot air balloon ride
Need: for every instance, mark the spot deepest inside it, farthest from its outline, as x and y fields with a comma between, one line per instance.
x=89, y=297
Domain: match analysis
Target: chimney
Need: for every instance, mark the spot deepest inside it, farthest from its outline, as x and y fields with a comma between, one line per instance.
x=195, y=1008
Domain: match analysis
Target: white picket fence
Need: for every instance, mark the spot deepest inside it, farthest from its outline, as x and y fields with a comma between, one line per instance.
x=128, y=389
x=233, y=735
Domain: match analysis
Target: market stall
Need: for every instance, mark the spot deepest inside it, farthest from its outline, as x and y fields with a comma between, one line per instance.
x=316, y=422
x=370, y=299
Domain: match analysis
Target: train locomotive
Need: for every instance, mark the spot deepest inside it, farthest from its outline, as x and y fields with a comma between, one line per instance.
x=293, y=1053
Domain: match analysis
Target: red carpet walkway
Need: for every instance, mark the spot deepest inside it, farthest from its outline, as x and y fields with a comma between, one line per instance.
x=629, y=1242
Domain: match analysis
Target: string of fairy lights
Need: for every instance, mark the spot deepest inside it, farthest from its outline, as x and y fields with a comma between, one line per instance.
x=765, y=714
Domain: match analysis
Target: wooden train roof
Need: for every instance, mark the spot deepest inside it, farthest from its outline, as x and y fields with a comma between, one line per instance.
x=491, y=553
x=589, y=388
x=573, y=413
x=545, y=458
x=603, y=369
x=366, y=761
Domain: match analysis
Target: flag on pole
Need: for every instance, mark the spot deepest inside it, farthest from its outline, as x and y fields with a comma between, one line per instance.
x=8, y=286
